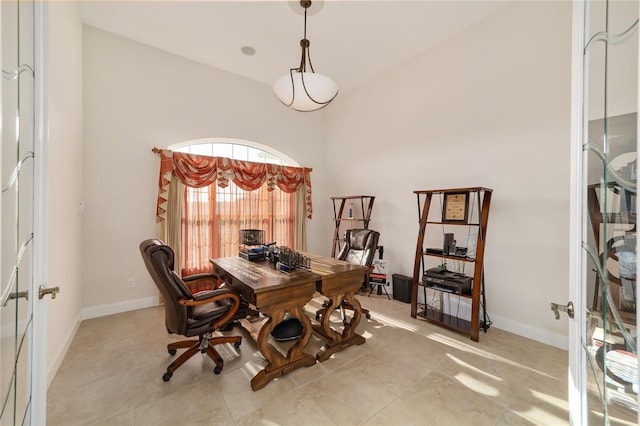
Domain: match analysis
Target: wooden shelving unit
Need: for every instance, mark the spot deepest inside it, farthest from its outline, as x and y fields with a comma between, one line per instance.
x=357, y=209
x=477, y=201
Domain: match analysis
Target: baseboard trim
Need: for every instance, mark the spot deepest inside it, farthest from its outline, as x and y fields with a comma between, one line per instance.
x=547, y=337
x=119, y=307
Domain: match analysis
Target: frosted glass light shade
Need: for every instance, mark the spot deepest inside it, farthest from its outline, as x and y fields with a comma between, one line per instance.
x=319, y=87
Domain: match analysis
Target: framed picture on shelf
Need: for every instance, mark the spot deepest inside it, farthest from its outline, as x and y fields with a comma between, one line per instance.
x=455, y=207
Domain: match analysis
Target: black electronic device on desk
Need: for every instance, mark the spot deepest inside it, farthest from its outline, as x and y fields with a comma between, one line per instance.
x=253, y=254
x=449, y=281
x=252, y=246
x=289, y=260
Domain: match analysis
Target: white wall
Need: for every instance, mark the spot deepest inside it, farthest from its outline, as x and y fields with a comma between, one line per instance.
x=489, y=107
x=65, y=179
x=137, y=97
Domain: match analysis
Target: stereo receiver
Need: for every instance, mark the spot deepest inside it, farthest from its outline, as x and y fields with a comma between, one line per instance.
x=445, y=280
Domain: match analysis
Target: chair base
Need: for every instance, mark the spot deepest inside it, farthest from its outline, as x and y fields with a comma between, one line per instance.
x=203, y=344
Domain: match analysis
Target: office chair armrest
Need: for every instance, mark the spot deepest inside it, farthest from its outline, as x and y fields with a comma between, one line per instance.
x=209, y=296
x=201, y=282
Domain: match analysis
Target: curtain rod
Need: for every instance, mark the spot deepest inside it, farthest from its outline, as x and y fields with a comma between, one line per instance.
x=158, y=151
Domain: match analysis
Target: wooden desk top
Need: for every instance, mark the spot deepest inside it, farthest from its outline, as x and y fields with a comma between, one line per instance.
x=265, y=287
x=261, y=276
x=327, y=266
x=336, y=276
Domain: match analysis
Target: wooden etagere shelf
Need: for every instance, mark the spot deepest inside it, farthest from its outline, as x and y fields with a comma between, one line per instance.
x=355, y=210
x=468, y=207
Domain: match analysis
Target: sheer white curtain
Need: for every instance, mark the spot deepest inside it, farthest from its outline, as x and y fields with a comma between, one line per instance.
x=212, y=218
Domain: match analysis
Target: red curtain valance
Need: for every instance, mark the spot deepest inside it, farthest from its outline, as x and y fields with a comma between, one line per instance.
x=198, y=171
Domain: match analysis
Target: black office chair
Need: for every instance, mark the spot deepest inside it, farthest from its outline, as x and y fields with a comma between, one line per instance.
x=191, y=314
x=359, y=248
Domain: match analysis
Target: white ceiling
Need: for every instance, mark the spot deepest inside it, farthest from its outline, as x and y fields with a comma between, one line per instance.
x=351, y=41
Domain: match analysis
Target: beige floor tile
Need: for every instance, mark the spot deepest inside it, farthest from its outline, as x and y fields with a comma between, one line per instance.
x=444, y=401
x=199, y=403
x=124, y=419
x=509, y=418
x=240, y=399
x=494, y=377
x=408, y=372
x=113, y=324
x=87, y=367
x=541, y=399
x=91, y=403
x=397, y=412
x=348, y=396
x=297, y=408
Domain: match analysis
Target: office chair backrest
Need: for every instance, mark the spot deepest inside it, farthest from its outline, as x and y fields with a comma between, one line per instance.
x=158, y=259
x=360, y=246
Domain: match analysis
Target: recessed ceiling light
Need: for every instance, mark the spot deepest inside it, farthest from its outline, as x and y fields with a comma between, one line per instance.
x=248, y=50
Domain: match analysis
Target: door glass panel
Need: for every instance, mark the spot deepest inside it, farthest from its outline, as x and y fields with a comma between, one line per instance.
x=16, y=209
x=610, y=155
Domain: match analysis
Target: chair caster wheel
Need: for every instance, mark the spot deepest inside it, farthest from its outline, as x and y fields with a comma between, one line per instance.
x=317, y=317
x=237, y=344
x=217, y=370
x=171, y=352
x=167, y=376
x=368, y=316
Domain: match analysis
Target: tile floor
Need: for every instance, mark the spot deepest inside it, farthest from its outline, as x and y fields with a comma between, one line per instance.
x=409, y=372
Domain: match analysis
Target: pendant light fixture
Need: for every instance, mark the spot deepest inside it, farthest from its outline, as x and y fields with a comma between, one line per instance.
x=302, y=89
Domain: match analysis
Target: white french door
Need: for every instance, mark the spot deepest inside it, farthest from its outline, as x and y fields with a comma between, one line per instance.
x=603, y=380
x=22, y=213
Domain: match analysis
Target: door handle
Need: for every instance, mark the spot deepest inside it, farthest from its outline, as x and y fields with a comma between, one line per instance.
x=568, y=308
x=17, y=295
x=43, y=291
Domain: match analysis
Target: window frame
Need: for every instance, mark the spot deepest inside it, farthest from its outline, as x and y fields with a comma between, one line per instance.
x=270, y=153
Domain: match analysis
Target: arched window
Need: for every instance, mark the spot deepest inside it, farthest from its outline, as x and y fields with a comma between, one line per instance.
x=212, y=217
x=236, y=149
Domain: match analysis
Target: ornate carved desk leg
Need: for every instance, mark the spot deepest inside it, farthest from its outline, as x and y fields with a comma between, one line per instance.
x=337, y=341
x=279, y=365
x=325, y=329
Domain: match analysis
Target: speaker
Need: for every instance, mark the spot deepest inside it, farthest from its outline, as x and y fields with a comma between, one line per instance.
x=449, y=244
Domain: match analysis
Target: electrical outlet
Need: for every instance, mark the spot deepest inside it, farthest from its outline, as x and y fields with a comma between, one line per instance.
x=130, y=283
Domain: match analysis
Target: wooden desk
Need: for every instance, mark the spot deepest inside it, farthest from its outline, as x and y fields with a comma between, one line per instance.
x=273, y=293
x=338, y=280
